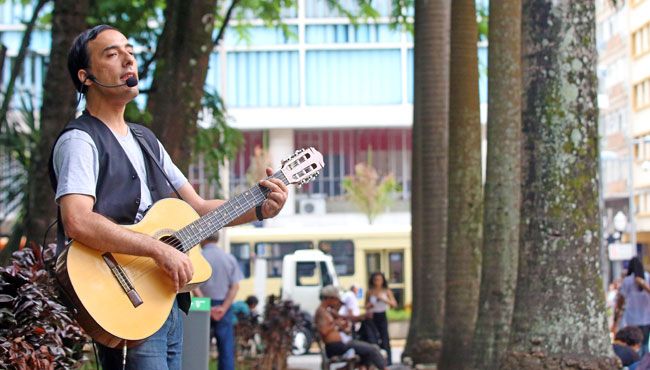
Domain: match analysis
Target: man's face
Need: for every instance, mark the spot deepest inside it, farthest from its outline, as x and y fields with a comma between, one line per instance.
x=333, y=302
x=112, y=63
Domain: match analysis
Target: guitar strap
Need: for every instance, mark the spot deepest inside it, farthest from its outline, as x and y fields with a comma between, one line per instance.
x=183, y=299
x=145, y=145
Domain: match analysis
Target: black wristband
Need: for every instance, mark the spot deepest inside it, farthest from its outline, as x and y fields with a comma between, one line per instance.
x=258, y=213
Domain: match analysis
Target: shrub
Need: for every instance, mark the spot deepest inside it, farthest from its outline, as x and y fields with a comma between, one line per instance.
x=282, y=320
x=36, y=330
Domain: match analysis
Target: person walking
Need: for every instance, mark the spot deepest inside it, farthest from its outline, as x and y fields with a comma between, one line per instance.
x=221, y=288
x=634, y=297
x=378, y=300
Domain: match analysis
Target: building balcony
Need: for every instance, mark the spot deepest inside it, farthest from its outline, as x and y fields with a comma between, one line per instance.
x=616, y=190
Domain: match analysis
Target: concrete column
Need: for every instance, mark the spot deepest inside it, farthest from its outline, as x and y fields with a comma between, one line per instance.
x=281, y=146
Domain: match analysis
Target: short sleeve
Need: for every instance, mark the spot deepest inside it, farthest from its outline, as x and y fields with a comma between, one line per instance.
x=236, y=275
x=76, y=164
x=175, y=175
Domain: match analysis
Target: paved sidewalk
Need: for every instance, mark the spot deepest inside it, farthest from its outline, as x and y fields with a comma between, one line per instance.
x=312, y=361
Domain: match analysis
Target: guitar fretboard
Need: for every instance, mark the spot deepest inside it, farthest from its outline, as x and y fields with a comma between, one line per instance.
x=199, y=230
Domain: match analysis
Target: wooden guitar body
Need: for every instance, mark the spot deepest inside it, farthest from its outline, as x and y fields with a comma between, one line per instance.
x=104, y=309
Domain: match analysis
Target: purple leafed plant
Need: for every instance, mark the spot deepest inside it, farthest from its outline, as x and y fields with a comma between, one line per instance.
x=36, y=330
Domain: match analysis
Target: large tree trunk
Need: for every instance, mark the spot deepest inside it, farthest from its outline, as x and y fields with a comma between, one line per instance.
x=181, y=67
x=465, y=189
x=559, y=317
x=59, y=98
x=502, y=186
x=429, y=197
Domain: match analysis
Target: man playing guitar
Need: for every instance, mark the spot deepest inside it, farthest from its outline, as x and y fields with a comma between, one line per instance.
x=97, y=188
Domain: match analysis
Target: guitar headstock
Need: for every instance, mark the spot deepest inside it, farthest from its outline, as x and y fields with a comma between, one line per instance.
x=303, y=166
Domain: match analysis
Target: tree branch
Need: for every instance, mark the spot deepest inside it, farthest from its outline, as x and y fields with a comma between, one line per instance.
x=147, y=64
x=15, y=71
x=226, y=20
x=3, y=54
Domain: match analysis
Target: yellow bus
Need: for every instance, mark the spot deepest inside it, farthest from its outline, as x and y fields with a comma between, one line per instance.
x=357, y=252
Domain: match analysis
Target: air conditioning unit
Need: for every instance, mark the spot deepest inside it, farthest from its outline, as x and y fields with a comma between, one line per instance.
x=311, y=206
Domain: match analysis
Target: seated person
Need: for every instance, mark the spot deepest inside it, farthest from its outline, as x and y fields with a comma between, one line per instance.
x=330, y=329
x=245, y=309
x=627, y=343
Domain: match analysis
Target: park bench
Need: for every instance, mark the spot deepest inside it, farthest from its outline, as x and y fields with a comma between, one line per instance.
x=337, y=361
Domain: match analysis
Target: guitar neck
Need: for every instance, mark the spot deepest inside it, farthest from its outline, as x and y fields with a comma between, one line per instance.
x=202, y=228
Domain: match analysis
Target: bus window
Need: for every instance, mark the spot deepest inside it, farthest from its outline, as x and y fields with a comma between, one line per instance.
x=275, y=251
x=242, y=253
x=342, y=252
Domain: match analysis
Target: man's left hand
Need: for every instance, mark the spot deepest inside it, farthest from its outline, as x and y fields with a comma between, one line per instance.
x=277, y=196
x=217, y=312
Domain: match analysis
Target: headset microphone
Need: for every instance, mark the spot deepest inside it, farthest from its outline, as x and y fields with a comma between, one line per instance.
x=130, y=82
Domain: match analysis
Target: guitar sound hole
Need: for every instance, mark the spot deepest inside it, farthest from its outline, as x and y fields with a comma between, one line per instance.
x=173, y=241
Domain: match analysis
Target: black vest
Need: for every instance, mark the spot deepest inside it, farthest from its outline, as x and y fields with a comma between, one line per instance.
x=118, y=185
x=117, y=195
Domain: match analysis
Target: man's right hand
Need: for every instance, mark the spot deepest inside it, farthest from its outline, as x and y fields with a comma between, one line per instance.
x=176, y=264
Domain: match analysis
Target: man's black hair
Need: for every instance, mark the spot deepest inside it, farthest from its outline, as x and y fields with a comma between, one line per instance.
x=251, y=300
x=630, y=335
x=78, y=57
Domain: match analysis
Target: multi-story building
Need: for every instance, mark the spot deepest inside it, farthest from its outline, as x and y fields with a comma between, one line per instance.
x=623, y=38
x=639, y=85
x=615, y=123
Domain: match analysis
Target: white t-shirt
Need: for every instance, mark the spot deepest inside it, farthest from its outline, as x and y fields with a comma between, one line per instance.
x=76, y=165
x=350, y=304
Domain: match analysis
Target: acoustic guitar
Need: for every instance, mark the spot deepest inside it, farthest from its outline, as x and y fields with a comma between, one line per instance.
x=123, y=299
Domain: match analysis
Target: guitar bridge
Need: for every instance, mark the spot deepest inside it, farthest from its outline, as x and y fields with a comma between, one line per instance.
x=122, y=279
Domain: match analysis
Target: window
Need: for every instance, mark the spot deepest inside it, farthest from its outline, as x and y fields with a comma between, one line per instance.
x=641, y=40
x=395, y=267
x=322, y=9
x=325, y=276
x=342, y=252
x=343, y=149
x=242, y=253
x=641, y=93
x=312, y=274
x=275, y=251
x=306, y=274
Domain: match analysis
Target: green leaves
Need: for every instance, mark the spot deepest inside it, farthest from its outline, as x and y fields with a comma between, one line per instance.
x=216, y=142
x=18, y=139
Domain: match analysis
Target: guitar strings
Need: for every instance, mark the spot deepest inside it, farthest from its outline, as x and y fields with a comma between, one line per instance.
x=177, y=242
x=145, y=265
